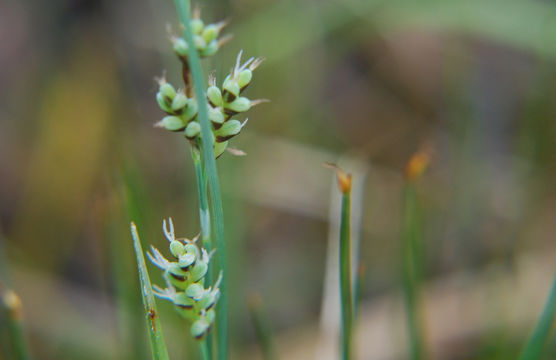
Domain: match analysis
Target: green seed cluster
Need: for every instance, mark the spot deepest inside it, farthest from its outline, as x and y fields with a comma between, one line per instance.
x=205, y=37
x=224, y=103
x=185, y=281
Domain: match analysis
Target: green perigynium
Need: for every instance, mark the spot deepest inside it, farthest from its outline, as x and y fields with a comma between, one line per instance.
x=185, y=277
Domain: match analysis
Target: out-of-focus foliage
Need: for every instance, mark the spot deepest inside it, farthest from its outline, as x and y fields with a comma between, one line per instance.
x=349, y=80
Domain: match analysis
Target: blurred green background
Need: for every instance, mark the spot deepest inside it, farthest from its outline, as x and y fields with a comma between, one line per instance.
x=364, y=83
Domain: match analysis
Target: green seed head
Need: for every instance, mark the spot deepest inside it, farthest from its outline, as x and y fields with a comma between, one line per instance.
x=186, y=260
x=199, y=328
x=241, y=104
x=177, y=249
x=200, y=43
x=197, y=26
x=167, y=90
x=244, y=78
x=216, y=117
x=219, y=148
x=210, y=32
x=228, y=130
x=192, y=249
x=195, y=291
x=210, y=48
x=230, y=89
x=191, y=110
x=171, y=123
x=192, y=130
x=179, y=102
x=180, y=47
x=162, y=103
x=214, y=96
x=199, y=271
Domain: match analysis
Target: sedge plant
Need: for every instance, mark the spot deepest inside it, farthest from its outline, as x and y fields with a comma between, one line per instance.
x=412, y=245
x=208, y=118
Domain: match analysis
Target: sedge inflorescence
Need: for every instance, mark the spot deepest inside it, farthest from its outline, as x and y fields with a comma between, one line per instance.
x=224, y=102
x=185, y=281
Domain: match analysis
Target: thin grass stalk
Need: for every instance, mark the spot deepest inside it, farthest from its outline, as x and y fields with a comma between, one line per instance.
x=534, y=347
x=204, y=216
x=209, y=164
x=411, y=269
x=158, y=346
x=204, y=350
x=13, y=315
x=345, y=277
x=346, y=286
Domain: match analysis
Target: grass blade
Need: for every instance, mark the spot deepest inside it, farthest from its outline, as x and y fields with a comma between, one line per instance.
x=158, y=346
x=412, y=249
x=346, y=289
x=209, y=162
x=261, y=324
x=533, y=348
x=11, y=305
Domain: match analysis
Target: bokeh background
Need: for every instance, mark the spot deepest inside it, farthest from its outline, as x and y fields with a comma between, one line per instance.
x=363, y=83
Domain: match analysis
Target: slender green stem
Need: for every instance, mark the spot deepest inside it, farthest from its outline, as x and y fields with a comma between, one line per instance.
x=12, y=308
x=345, y=276
x=263, y=331
x=534, y=347
x=204, y=215
x=411, y=263
x=183, y=7
x=204, y=350
x=158, y=346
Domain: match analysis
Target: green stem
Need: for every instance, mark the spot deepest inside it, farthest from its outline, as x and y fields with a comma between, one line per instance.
x=183, y=7
x=204, y=215
x=345, y=276
x=204, y=350
x=534, y=347
x=12, y=309
x=411, y=263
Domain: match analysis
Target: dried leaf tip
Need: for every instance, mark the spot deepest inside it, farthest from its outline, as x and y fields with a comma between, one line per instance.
x=344, y=179
x=418, y=164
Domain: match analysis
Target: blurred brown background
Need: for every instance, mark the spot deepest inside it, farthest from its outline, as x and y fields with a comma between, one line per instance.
x=361, y=83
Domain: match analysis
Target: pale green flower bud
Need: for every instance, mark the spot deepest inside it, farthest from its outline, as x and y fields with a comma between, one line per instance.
x=183, y=301
x=192, y=130
x=179, y=102
x=186, y=260
x=199, y=328
x=180, y=47
x=171, y=123
x=162, y=103
x=241, y=104
x=197, y=26
x=216, y=117
x=228, y=130
x=195, y=291
x=210, y=315
x=210, y=49
x=244, y=78
x=208, y=300
x=191, y=110
x=167, y=90
x=176, y=248
x=230, y=89
x=214, y=96
x=219, y=148
x=176, y=276
x=210, y=32
x=192, y=249
x=200, y=43
x=199, y=271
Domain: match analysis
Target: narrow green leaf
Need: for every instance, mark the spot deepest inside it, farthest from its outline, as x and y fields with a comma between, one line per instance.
x=11, y=305
x=158, y=346
x=345, y=276
x=411, y=270
x=209, y=162
x=534, y=347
